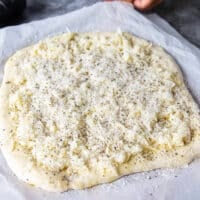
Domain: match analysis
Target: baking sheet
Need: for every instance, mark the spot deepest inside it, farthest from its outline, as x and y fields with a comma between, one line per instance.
x=159, y=184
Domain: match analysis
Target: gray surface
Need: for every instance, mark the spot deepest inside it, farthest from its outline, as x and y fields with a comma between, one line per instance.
x=183, y=15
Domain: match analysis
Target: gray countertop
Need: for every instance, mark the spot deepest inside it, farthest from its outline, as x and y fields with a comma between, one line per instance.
x=183, y=15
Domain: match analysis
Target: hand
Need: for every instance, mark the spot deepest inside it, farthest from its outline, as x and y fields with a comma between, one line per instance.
x=143, y=4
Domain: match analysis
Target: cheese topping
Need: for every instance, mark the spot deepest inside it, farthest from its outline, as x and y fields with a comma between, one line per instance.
x=85, y=100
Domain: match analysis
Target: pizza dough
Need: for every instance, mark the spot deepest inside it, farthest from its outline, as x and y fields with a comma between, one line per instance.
x=81, y=109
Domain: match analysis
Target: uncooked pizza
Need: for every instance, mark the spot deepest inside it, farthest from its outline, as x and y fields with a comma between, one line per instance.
x=80, y=109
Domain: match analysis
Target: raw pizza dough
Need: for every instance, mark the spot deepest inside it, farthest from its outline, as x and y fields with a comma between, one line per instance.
x=82, y=109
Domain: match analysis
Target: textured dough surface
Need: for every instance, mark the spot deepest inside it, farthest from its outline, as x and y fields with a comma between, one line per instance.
x=77, y=110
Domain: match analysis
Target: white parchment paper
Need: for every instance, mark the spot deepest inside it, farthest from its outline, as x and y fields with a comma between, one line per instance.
x=169, y=184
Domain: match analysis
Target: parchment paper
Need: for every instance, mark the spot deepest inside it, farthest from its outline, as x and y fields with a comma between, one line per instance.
x=169, y=184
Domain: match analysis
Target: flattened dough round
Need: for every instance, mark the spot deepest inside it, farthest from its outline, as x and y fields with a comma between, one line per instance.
x=81, y=109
